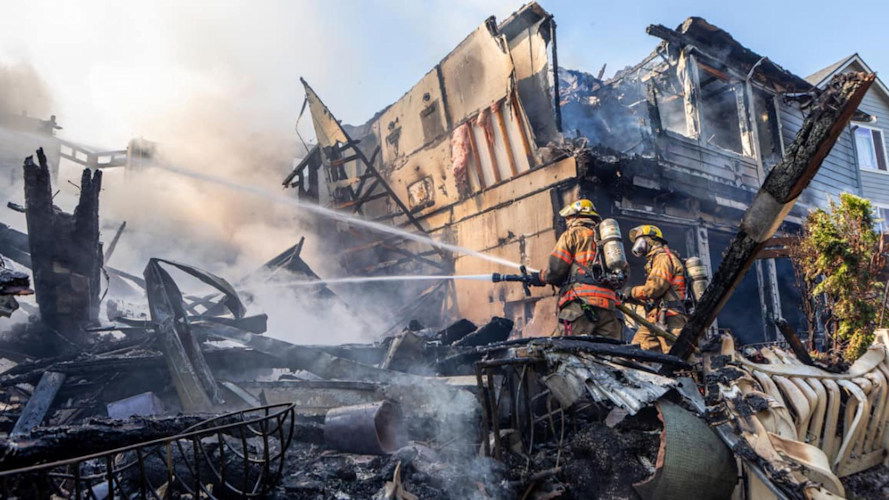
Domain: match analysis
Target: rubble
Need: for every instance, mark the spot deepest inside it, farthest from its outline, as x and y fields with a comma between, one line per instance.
x=186, y=394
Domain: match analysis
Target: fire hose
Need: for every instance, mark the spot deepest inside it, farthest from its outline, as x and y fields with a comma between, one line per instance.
x=528, y=279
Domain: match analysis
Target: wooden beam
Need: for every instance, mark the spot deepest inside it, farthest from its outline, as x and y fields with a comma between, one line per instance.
x=795, y=343
x=830, y=113
x=192, y=378
x=41, y=399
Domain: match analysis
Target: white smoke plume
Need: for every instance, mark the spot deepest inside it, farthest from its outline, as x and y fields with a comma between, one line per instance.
x=216, y=85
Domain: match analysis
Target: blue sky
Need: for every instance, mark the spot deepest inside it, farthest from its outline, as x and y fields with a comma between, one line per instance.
x=122, y=69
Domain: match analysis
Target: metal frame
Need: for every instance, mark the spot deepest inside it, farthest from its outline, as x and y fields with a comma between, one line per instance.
x=509, y=381
x=192, y=462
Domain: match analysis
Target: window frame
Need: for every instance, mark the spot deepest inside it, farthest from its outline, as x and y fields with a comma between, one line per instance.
x=882, y=227
x=882, y=145
x=739, y=89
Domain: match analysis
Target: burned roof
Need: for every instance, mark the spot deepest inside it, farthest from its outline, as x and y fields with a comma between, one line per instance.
x=722, y=46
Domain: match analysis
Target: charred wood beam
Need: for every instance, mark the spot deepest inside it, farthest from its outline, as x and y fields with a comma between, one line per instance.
x=795, y=343
x=241, y=359
x=39, y=403
x=114, y=241
x=51, y=444
x=192, y=378
x=66, y=256
x=779, y=192
x=669, y=35
x=58, y=443
x=313, y=359
x=15, y=245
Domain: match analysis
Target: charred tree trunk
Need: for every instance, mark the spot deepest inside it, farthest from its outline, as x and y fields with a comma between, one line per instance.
x=66, y=256
x=830, y=113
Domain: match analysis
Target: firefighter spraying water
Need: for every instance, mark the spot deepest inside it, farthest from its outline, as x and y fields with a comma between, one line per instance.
x=588, y=279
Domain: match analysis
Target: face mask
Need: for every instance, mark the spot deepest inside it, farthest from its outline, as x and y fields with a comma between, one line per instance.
x=640, y=247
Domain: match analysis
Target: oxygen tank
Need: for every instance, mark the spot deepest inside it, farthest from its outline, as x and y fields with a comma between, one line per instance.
x=612, y=245
x=697, y=273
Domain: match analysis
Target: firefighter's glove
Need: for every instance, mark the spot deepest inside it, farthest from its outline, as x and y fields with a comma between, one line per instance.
x=534, y=279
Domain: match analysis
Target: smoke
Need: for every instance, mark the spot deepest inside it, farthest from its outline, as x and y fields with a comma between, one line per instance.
x=22, y=90
x=216, y=86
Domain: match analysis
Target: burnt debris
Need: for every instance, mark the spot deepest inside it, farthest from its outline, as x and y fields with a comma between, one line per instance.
x=184, y=390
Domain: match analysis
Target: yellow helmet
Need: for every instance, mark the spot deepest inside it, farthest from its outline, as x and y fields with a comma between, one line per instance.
x=584, y=208
x=646, y=230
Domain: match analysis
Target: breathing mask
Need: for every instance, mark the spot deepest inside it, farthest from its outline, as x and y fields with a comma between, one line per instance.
x=640, y=247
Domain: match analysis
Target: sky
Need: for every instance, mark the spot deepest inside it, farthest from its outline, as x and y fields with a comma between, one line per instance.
x=122, y=69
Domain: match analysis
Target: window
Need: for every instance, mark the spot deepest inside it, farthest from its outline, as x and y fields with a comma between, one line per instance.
x=671, y=102
x=719, y=110
x=766, y=118
x=870, y=147
x=881, y=219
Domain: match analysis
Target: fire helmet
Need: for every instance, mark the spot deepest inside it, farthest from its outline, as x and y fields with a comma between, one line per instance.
x=583, y=208
x=646, y=230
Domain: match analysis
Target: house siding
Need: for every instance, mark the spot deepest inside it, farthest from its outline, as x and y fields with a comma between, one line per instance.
x=875, y=185
x=838, y=174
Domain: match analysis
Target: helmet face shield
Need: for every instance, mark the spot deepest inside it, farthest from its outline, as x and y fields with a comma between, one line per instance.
x=640, y=247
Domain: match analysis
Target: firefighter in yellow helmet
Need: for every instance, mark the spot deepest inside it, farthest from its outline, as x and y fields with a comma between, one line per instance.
x=664, y=288
x=586, y=302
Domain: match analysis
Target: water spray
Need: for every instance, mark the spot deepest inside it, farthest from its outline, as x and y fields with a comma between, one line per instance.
x=335, y=215
x=371, y=279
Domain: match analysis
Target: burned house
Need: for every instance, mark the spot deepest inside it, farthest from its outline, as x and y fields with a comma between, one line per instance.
x=486, y=148
x=203, y=399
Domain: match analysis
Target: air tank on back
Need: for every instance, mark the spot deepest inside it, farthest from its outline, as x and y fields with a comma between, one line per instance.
x=612, y=245
x=697, y=273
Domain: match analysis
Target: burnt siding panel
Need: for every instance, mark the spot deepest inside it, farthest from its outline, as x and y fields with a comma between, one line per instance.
x=688, y=154
x=838, y=172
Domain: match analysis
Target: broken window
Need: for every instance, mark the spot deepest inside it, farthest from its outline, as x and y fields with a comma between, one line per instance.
x=767, y=131
x=719, y=110
x=870, y=147
x=671, y=102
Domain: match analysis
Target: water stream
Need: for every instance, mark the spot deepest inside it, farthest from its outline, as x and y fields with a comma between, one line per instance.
x=370, y=279
x=338, y=216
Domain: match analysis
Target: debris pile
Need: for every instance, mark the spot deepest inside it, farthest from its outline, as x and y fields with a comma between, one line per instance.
x=182, y=393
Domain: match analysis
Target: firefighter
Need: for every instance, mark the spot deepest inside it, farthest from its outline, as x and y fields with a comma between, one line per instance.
x=664, y=287
x=586, y=306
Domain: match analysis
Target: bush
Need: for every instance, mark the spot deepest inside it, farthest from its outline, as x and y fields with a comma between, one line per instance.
x=839, y=255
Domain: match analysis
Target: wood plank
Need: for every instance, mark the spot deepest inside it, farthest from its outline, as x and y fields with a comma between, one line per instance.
x=37, y=407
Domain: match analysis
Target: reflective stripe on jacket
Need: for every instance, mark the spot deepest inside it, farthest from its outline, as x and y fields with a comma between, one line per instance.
x=575, y=250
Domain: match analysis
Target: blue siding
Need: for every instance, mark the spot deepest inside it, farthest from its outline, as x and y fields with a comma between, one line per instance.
x=875, y=185
x=838, y=173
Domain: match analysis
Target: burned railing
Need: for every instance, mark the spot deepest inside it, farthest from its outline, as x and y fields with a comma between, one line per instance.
x=239, y=454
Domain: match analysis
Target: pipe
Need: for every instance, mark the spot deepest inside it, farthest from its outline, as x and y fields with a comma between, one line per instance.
x=368, y=429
